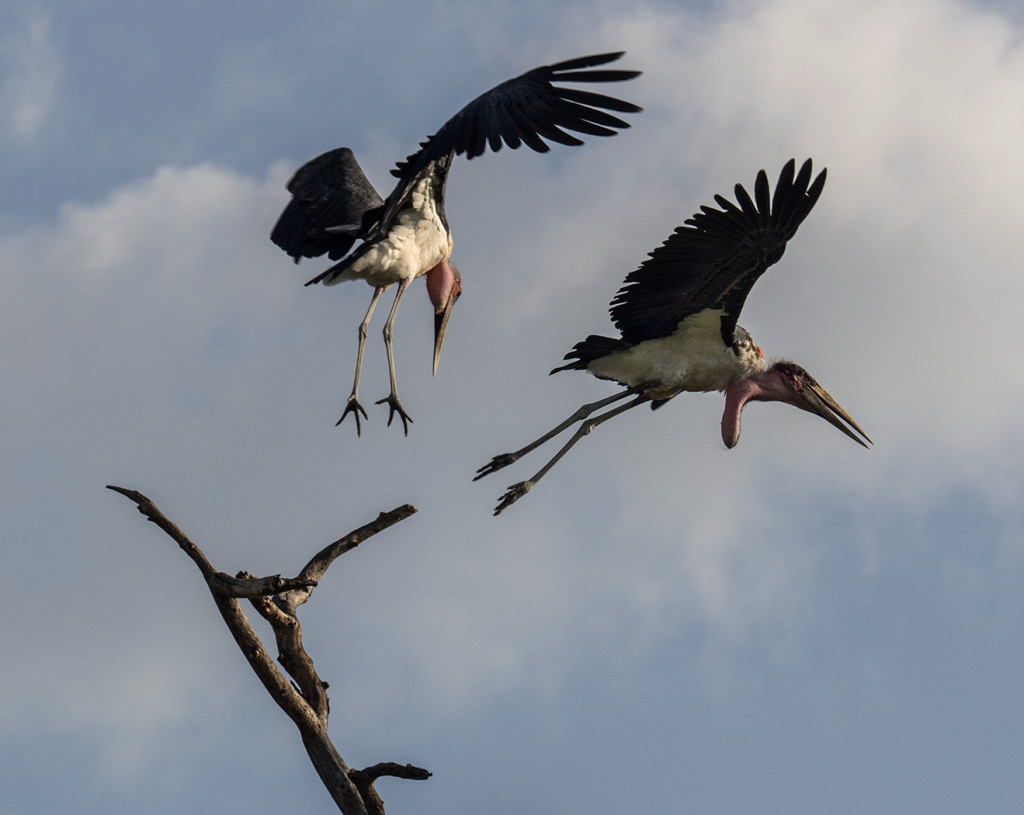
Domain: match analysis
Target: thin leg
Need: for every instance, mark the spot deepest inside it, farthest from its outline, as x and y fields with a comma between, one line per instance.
x=392, y=398
x=503, y=460
x=353, y=405
x=517, y=491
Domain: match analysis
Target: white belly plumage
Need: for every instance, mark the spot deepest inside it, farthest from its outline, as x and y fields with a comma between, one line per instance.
x=415, y=244
x=694, y=358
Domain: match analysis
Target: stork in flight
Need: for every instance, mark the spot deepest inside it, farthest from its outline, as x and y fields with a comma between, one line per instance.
x=677, y=316
x=333, y=203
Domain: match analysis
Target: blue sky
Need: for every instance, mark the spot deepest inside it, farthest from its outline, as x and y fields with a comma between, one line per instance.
x=796, y=625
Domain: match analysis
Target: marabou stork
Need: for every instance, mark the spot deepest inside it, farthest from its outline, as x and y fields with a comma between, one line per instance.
x=677, y=315
x=407, y=235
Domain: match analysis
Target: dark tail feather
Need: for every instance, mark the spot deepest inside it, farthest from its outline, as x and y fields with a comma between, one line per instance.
x=593, y=347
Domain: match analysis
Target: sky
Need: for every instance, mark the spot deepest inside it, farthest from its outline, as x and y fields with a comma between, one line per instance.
x=797, y=625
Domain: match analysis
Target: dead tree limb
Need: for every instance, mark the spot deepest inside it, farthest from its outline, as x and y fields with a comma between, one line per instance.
x=304, y=699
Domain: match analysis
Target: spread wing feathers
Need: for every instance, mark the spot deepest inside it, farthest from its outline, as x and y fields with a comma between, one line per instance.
x=332, y=203
x=524, y=110
x=527, y=110
x=715, y=258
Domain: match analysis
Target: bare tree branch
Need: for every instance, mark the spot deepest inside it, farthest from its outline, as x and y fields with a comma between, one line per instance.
x=364, y=780
x=228, y=586
x=276, y=600
x=318, y=564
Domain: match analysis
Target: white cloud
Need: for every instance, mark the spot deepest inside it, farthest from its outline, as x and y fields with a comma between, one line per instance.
x=110, y=309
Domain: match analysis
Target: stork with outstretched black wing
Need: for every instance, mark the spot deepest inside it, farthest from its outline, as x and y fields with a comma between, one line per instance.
x=407, y=235
x=677, y=317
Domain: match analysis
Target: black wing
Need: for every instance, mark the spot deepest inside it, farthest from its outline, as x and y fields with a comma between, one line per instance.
x=713, y=261
x=525, y=110
x=331, y=191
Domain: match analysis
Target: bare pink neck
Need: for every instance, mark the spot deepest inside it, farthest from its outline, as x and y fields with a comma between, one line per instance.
x=440, y=282
x=764, y=386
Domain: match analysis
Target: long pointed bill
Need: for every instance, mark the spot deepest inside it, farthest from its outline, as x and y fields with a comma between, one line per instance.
x=444, y=286
x=440, y=326
x=815, y=399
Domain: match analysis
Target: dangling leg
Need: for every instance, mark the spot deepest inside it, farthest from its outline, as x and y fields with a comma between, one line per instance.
x=503, y=460
x=517, y=491
x=353, y=405
x=392, y=398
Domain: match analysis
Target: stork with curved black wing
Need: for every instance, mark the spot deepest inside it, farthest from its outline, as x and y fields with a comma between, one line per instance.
x=677, y=318
x=407, y=235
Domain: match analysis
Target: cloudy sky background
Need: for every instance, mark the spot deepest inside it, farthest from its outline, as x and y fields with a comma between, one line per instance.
x=797, y=625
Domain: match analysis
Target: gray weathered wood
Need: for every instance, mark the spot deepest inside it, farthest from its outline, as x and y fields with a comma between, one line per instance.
x=304, y=699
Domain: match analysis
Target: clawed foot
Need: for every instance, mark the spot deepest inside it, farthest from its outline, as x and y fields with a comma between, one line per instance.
x=396, y=407
x=354, y=407
x=496, y=464
x=513, y=494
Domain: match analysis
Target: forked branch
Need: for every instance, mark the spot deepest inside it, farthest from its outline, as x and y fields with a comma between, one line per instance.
x=305, y=698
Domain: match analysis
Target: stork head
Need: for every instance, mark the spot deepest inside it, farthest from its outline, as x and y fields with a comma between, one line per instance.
x=785, y=382
x=444, y=285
